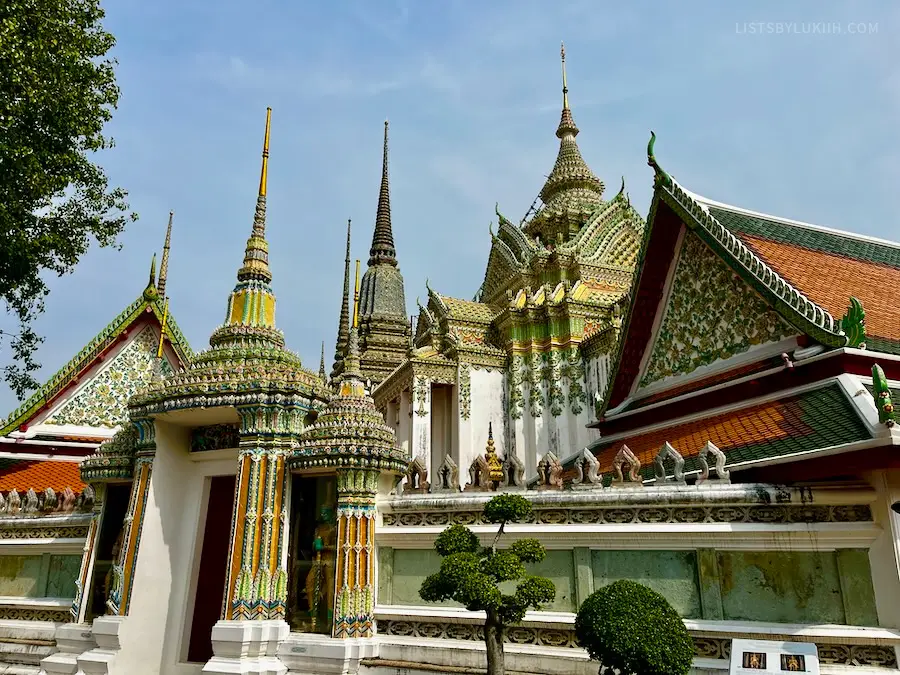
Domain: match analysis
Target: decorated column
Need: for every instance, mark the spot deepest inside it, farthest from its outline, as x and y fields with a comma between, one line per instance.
x=351, y=438
x=354, y=598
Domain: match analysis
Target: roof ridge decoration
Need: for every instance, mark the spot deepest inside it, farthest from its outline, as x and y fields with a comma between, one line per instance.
x=164, y=263
x=150, y=291
x=383, y=251
x=804, y=314
x=344, y=322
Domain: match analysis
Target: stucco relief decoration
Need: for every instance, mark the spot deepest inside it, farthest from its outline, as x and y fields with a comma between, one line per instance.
x=535, y=392
x=421, y=391
x=465, y=390
x=553, y=372
x=215, y=437
x=575, y=372
x=102, y=402
x=712, y=315
x=516, y=386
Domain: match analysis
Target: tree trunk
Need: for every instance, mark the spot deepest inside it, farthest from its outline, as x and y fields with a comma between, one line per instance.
x=493, y=640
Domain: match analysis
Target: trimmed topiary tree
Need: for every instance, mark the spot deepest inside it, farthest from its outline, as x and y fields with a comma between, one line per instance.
x=633, y=629
x=471, y=575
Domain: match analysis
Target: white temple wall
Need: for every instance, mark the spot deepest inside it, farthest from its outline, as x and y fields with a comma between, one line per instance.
x=441, y=422
x=163, y=563
x=884, y=552
x=486, y=408
x=404, y=422
x=421, y=422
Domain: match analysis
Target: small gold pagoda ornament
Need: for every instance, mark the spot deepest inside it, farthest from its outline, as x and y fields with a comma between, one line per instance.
x=493, y=461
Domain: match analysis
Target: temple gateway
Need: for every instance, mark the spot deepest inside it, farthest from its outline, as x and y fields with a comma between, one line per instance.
x=700, y=400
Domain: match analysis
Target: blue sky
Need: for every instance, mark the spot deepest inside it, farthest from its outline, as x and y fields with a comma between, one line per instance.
x=799, y=125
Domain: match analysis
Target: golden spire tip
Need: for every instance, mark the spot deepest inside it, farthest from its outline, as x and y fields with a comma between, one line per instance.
x=562, y=53
x=264, y=174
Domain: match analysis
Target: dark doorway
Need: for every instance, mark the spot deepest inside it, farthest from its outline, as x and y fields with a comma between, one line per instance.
x=213, y=563
x=108, y=545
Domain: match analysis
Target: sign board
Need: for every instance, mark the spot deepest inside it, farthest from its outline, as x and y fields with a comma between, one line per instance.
x=754, y=657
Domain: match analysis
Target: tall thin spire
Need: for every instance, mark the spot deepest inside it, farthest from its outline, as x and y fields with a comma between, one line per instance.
x=383, y=251
x=164, y=263
x=343, y=337
x=566, y=121
x=252, y=302
x=322, y=362
x=256, y=255
x=571, y=191
x=351, y=379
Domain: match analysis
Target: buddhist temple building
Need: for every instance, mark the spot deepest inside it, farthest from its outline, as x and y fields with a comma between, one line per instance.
x=700, y=400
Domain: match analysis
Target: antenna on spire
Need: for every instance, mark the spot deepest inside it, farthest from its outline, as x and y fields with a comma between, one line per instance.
x=562, y=54
x=264, y=173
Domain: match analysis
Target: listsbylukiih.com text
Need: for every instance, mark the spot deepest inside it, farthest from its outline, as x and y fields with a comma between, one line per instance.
x=805, y=28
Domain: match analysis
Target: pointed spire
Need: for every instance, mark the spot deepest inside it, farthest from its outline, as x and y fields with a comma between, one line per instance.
x=164, y=263
x=571, y=186
x=322, y=362
x=383, y=251
x=352, y=378
x=256, y=255
x=252, y=302
x=343, y=337
x=566, y=121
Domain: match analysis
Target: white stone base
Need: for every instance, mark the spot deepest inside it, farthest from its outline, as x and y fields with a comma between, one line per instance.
x=72, y=640
x=247, y=648
x=101, y=660
x=307, y=654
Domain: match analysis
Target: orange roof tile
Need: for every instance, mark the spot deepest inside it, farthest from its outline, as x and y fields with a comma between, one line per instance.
x=829, y=280
x=815, y=419
x=20, y=475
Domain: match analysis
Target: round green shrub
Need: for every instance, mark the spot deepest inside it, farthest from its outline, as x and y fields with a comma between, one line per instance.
x=528, y=550
x=633, y=629
x=507, y=508
x=503, y=566
x=456, y=539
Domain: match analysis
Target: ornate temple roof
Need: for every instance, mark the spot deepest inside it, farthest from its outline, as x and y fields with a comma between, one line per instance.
x=796, y=280
x=247, y=353
x=792, y=425
x=349, y=432
x=572, y=192
x=151, y=302
x=828, y=266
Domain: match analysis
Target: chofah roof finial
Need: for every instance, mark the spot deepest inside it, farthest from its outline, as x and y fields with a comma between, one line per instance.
x=150, y=293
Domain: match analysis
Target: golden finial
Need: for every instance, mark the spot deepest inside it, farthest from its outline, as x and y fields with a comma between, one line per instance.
x=264, y=175
x=356, y=298
x=490, y=455
x=152, y=281
x=562, y=53
x=162, y=329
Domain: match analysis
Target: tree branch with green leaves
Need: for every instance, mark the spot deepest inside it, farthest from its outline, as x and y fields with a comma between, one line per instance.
x=57, y=91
